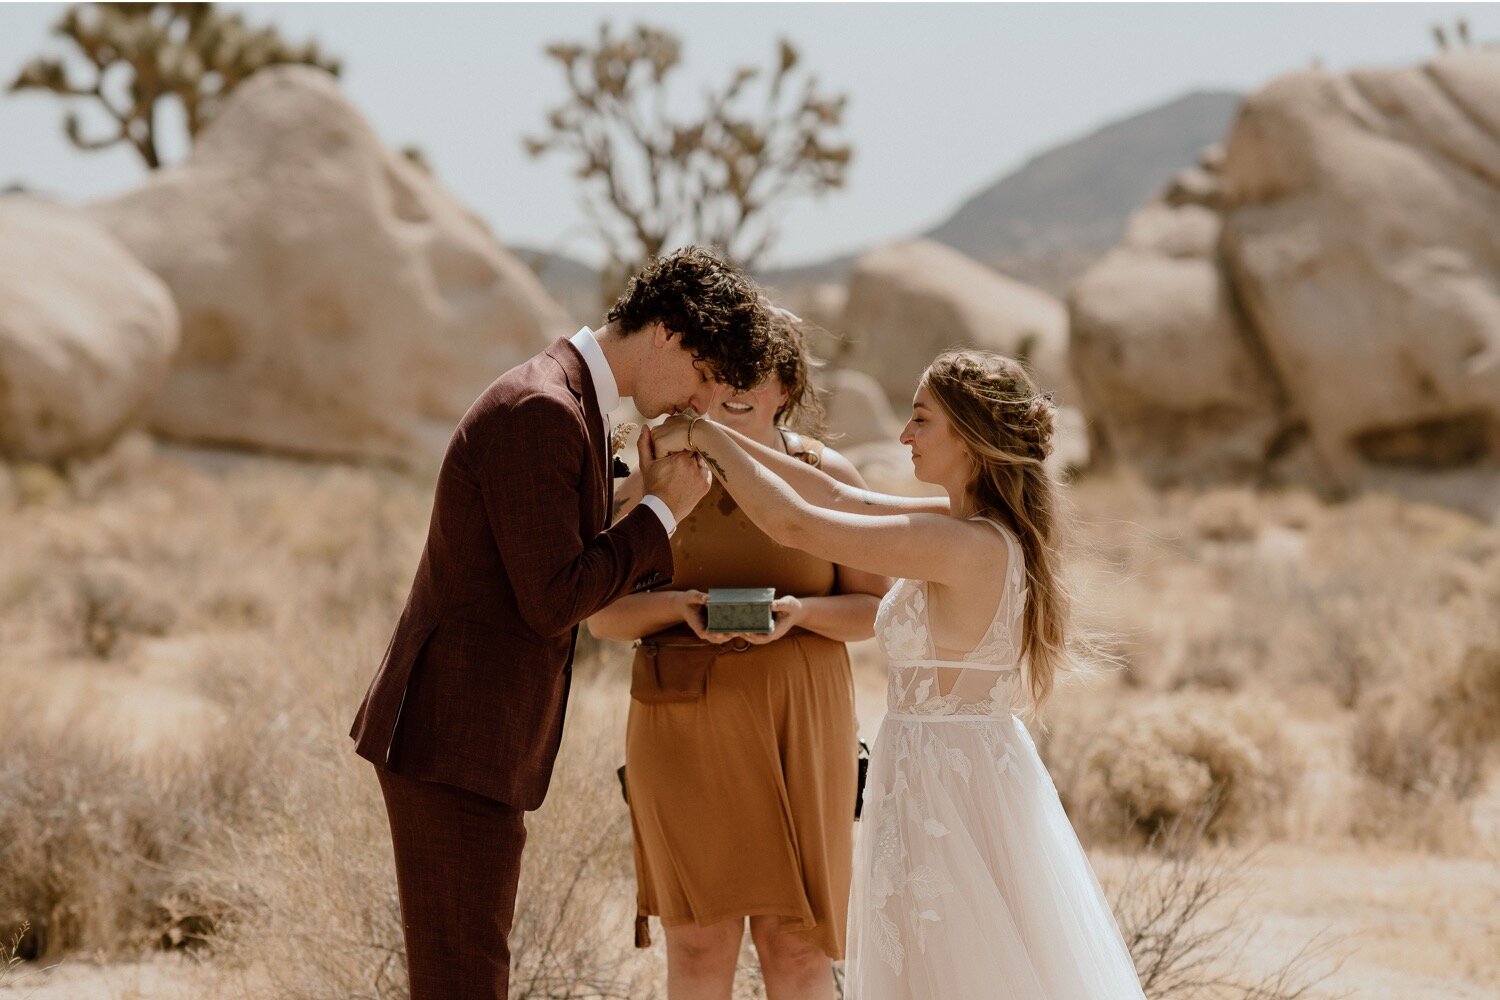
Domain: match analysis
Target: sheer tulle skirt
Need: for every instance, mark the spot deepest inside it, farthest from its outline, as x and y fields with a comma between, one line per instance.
x=969, y=881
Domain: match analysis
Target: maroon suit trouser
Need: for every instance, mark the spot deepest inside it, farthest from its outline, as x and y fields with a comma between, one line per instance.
x=458, y=859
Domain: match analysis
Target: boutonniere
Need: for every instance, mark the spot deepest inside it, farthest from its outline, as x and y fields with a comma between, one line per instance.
x=617, y=437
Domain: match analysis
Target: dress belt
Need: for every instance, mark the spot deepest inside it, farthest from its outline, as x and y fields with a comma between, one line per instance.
x=738, y=645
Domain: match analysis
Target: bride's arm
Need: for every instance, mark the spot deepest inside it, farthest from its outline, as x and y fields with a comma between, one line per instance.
x=811, y=483
x=814, y=485
x=927, y=546
x=847, y=614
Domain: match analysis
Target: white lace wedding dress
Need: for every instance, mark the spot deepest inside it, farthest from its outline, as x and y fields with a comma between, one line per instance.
x=969, y=882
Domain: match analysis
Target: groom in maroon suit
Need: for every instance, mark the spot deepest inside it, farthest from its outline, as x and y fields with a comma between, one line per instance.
x=464, y=716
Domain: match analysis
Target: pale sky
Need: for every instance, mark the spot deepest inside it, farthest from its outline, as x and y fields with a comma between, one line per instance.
x=944, y=98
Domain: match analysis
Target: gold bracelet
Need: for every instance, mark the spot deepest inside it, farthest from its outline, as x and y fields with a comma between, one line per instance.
x=691, y=424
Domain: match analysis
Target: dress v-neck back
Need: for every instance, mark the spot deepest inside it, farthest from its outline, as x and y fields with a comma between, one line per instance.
x=981, y=681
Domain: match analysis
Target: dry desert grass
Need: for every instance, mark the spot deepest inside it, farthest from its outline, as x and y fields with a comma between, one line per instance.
x=185, y=635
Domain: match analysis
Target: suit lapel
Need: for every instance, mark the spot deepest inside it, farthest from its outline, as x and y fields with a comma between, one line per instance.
x=575, y=370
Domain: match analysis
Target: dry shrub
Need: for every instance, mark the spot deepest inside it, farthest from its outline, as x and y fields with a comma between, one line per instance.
x=1347, y=625
x=95, y=844
x=117, y=602
x=1227, y=515
x=99, y=843
x=312, y=900
x=1468, y=703
x=1355, y=633
x=1156, y=763
x=10, y=951
x=1230, y=589
x=1221, y=661
x=205, y=544
x=37, y=483
x=1181, y=909
x=1424, y=751
x=268, y=842
x=574, y=931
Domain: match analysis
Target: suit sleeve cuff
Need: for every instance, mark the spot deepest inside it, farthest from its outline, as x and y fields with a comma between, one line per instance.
x=659, y=506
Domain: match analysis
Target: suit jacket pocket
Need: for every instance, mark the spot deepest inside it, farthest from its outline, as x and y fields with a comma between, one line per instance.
x=663, y=673
x=401, y=672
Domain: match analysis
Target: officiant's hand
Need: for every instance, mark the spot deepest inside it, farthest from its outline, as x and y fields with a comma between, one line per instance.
x=679, y=479
x=690, y=604
x=788, y=612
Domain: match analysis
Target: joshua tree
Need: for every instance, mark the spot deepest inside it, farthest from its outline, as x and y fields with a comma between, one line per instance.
x=137, y=55
x=652, y=180
x=1460, y=40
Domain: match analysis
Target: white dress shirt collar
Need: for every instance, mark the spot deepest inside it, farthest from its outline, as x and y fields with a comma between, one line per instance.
x=606, y=389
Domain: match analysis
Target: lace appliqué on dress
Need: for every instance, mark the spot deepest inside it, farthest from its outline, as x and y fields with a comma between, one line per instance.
x=901, y=892
x=982, y=683
x=893, y=877
x=900, y=625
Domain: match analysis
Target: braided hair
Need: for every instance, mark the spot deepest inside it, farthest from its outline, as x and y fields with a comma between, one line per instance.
x=1007, y=427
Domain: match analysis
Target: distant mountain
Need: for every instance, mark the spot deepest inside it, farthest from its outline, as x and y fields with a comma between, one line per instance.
x=1068, y=205
x=1043, y=223
x=574, y=284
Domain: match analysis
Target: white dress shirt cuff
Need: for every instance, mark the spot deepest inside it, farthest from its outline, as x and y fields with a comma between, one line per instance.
x=664, y=512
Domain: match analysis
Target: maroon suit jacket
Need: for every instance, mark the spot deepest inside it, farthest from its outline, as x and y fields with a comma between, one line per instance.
x=474, y=684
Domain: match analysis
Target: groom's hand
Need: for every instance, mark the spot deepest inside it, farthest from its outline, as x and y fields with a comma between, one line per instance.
x=679, y=479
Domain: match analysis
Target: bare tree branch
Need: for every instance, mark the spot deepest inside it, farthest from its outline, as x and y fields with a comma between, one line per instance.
x=717, y=177
x=187, y=52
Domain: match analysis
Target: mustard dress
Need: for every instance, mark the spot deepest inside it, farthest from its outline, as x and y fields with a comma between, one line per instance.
x=741, y=764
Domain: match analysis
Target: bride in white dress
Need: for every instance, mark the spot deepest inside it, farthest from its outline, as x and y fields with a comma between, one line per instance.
x=969, y=881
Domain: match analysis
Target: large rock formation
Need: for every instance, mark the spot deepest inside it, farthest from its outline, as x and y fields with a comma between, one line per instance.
x=1163, y=355
x=86, y=332
x=1350, y=300
x=910, y=301
x=334, y=299
x=1363, y=233
x=858, y=411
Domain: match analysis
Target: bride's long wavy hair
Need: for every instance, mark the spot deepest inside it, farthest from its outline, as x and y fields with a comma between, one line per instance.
x=1007, y=426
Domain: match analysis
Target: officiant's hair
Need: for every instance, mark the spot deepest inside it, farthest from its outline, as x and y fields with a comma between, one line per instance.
x=793, y=366
x=1007, y=426
x=710, y=303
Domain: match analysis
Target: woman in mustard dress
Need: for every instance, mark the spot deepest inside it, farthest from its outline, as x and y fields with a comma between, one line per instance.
x=741, y=749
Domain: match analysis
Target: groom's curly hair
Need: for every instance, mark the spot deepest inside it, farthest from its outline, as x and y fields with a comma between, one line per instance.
x=711, y=304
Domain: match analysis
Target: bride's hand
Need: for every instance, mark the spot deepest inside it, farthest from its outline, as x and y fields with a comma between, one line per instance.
x=671, y=435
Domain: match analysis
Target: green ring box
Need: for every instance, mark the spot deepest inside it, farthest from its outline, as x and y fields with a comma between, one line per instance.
x=737, y=609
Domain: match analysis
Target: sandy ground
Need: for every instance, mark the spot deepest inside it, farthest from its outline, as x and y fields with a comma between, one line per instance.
x=1415, y=927
x=162, y=977
x=1409, y=927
